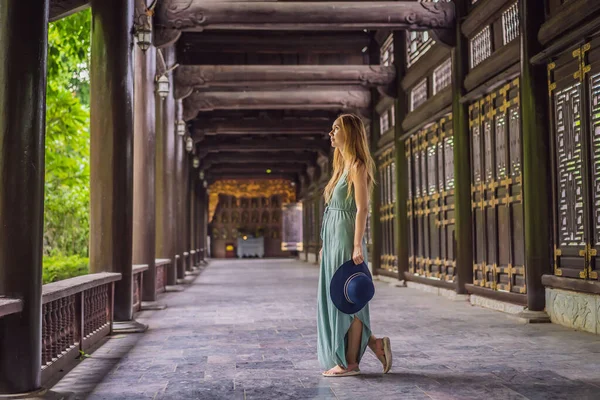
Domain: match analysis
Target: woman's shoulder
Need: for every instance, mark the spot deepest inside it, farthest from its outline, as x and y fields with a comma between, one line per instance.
x=359, y=169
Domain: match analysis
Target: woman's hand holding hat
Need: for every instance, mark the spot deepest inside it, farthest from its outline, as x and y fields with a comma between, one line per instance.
x=357, y=255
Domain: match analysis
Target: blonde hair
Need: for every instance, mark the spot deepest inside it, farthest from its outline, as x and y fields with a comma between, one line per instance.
x=355, y=152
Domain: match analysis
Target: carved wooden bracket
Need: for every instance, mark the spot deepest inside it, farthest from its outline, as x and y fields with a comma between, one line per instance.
x=297, y=15
x=333, y=99
x=164, y=37
x=446, y=37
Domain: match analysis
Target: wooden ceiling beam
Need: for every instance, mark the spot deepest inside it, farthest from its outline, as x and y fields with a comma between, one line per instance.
x=198, y=15
x=257, y=167
x=216, y=175
x=272, y=42
x=241, y=126
x=215, y=144
x=63, y=8
x=350, y=99
x=190, y=77
x=264, y=157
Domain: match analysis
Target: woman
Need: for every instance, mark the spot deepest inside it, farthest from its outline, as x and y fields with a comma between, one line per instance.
x=343, y=338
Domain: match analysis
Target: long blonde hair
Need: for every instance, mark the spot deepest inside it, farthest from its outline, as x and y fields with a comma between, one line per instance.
x=355, y=152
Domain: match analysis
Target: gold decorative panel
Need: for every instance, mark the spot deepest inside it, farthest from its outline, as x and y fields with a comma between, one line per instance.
x=496, y=193
x=430, y=205
x=387, y=187
x=243, y=188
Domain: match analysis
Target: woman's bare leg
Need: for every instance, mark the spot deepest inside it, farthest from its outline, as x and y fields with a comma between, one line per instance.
x=354, y=339
x=376, y=346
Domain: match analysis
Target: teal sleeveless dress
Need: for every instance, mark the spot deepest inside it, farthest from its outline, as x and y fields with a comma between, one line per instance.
x=337, y=234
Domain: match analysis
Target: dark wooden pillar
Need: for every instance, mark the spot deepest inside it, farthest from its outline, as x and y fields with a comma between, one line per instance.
x=402, y=229
x=23, y=56
x=111, y=153
x=203, y=221
x=462, y=157
x=179, y=199
x=376, y=234
x=536, y=152
x=144, y=211
x=165, y=168
x=185, y=198
x=192, y=218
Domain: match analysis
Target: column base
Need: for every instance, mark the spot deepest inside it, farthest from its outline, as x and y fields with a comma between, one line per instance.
x=153, y=305
x=173, y=288
x=438, y=291
x=532, y=317
x=29, y=395
x=132, y=326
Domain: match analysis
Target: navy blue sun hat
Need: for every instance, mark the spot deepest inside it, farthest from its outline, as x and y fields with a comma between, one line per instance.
x=351, y=287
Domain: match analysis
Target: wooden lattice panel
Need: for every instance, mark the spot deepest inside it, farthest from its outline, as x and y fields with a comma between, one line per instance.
x=497, y=206
x=574, y=90
x=430, y=205
x=387, y=186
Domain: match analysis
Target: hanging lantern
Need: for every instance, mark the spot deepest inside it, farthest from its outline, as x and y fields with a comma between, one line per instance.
x=180, y=127
x=196, y=162
x=189, y=144
x=143, y=36
x=201, y=175
x=205, y=184
x=162, y=86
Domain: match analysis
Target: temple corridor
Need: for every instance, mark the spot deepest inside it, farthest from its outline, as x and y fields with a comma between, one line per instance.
x=247, y=330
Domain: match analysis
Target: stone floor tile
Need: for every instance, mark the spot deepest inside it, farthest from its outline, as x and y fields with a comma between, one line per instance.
x=255, y=338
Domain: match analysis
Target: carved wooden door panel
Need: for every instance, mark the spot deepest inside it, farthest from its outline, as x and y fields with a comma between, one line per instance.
x=574, y=81
x=430, y=158
x=411, y=217
x=387, y=187
x=497, y=207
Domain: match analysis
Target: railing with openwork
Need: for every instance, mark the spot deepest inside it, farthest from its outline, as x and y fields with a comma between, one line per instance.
x=138, y=284
x=163, y=265
x=10, y=306
x=76, y=314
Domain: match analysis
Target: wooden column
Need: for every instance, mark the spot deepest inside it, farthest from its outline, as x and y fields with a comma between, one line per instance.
x=537, y=194
x=203, y=221
x=462, y=157
x=187, y=210
x=402, y=229
x=376, y=234
x=192, y=202
x=144, y=161
x=178, y=235
x=111, y=154
x=23, y=56
x=165, y=168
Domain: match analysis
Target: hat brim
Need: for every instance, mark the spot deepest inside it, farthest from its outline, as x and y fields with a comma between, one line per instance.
x=338, y=281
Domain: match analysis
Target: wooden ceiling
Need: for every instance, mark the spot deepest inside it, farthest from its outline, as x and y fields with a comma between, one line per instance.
x=261, y=82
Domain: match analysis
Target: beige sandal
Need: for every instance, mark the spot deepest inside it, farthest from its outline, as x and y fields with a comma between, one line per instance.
x=387, y=352
x=354, y=372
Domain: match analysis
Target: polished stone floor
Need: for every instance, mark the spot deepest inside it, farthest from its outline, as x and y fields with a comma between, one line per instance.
x=246, y=330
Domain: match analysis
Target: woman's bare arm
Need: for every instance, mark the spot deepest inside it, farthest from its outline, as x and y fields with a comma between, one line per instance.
x=362, y=209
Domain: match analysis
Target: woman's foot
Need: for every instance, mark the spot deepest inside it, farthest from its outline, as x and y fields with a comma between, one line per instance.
x=338, y=370
x=384, y=353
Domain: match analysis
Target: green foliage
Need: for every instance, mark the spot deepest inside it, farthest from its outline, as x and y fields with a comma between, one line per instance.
x=66, y=212
x=60, y=267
